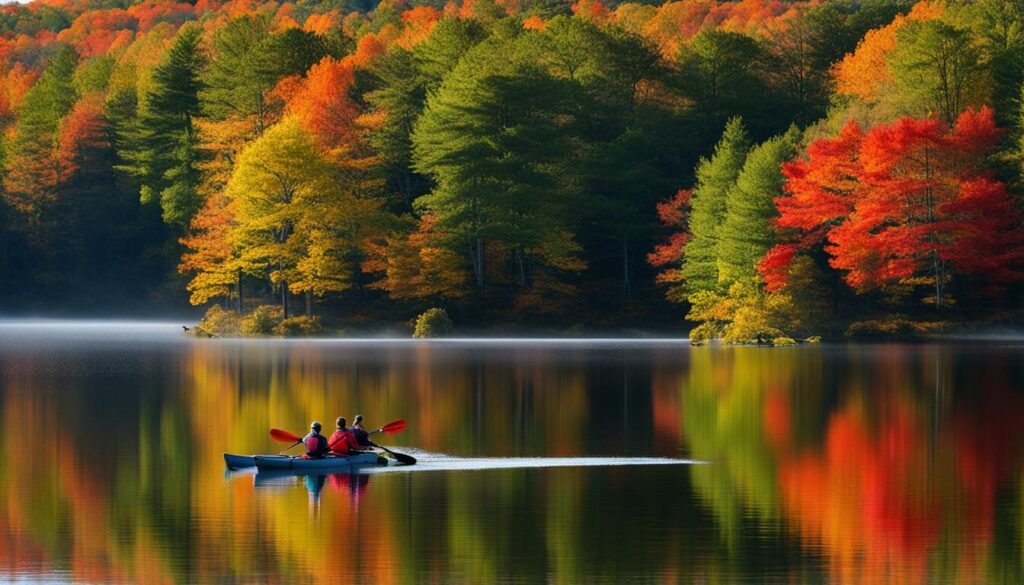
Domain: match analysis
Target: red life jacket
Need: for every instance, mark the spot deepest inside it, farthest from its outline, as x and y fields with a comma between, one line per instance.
x=342, y=442
x=315, y=446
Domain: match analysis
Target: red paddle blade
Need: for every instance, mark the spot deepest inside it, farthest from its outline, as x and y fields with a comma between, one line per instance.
x=284, y=436
x=395, y=426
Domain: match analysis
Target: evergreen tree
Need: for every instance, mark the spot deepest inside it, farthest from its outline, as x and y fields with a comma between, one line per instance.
x=748, y=231
x=231, y=87
x=34, y=171
x=495, y=137
x=715, y=177
x=33, y=178
x=450, y=40
x=400, y=93
x=721, y=72
x=163, y=154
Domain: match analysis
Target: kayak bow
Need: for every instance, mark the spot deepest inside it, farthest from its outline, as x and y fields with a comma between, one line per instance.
x=239, y=461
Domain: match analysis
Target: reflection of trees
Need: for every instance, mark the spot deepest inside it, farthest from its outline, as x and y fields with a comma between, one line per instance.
x=887, y=463
x=898, y=486
x=135, y=490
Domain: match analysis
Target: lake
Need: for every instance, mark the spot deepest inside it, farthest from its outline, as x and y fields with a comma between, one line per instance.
x=881, y=463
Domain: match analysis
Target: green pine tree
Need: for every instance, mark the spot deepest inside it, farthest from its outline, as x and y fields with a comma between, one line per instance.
x=715, y=177
x=495, y=138
x=162, y=153
x=747, y=232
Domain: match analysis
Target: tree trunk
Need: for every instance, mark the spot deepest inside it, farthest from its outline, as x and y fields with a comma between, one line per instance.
x=627, y=287
x=309, y=303
x=241, y=305
x=522, y=268
x=284, y=298
x=479, y=264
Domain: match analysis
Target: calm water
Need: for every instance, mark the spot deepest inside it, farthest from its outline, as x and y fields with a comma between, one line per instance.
x=832, y=464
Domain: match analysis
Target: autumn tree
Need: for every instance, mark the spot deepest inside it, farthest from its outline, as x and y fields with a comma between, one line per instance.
x=322, y=103
x=673, y=214
x=298, y=219
x=907, y=205
x=33, y=151
x=34, y=171
x=211, y=255
x=417, y=264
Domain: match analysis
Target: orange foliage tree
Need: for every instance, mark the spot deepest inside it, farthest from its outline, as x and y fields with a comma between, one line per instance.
x=322, y=102
x=864, y=72
x=906, y=204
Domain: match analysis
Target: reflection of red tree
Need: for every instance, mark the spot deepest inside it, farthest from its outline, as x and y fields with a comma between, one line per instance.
x=777, y=423
x=665, y=412
x=869, y=499
x=888, y=485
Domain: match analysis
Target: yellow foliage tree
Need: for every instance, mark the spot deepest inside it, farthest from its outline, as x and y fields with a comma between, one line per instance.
x=300, y=218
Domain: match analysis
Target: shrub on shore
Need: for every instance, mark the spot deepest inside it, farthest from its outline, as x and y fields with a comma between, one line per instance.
x=261, y=321
x=299, y=326
x=894, y=326
x=218, y=322
x=432, y=323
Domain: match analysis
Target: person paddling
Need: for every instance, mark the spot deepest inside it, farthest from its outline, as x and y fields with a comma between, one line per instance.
x=342, y=441
x=316, y=444
x=362, y=437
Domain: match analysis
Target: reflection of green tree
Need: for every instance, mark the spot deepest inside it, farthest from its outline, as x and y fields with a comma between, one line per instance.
x=485, y=529
x=723, y=405
x=152, y=492
x=1006, y=562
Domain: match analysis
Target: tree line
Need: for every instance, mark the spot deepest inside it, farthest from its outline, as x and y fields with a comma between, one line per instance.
x=516, y=162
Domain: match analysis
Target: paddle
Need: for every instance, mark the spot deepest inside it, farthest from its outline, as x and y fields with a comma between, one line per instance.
x=285, y=437
x=400, y=457
x=395, y=426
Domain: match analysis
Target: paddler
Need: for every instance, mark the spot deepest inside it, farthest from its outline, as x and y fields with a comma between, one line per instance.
x=316, y=444
x=362, y=437
x=342, y=441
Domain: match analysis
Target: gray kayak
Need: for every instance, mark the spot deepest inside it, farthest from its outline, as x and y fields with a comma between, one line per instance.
x=284, y=462
x=276, y=462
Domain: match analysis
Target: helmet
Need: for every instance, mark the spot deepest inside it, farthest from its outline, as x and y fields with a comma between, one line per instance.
x=315, y=426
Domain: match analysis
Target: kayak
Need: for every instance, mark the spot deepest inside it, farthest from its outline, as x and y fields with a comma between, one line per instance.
x=284, y=462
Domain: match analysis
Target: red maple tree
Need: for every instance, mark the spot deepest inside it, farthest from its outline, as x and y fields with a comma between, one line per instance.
x=907, y=203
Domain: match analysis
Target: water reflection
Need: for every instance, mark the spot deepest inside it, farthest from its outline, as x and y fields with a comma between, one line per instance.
x=852, y=464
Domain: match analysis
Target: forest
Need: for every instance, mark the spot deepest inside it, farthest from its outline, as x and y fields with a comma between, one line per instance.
x=756, y=171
